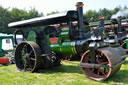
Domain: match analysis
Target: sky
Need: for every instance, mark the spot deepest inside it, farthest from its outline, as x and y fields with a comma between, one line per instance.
x=47, y=6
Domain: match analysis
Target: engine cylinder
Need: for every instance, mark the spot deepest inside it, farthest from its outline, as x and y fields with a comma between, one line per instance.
x=65, y=48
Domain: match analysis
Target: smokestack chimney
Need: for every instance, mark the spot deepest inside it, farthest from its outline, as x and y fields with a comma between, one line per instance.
x=119, y=24
x=101, y=21
x=79, y=6
x=101, y=25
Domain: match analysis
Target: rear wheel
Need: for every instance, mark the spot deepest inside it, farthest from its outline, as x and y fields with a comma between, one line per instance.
x=27, y=56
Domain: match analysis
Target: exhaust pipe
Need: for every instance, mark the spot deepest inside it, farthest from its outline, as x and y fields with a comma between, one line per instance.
x=79, y=6
x=101, y=21
x=119, y=24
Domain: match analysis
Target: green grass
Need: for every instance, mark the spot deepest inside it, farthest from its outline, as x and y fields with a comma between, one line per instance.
x=66, y=74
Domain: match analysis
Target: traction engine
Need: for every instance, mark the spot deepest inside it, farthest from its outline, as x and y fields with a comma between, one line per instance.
x=45, y=48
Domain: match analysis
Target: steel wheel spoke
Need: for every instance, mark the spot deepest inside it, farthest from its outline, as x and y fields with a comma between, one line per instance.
x=97, y=59
x=105, y=69
x=30, y=53
x=102, y=72
x=98, y=72
x=92, y=70
x=25, y=65
x=25, y=49
x=33, y=59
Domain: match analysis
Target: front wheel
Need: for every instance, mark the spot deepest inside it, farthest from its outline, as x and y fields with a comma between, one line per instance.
x=106, y=56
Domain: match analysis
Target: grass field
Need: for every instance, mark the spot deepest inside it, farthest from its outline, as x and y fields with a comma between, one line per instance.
x=66, y=74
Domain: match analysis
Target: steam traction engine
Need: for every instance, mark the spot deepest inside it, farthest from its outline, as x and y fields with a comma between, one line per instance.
x=45, y=49
x=120, y=31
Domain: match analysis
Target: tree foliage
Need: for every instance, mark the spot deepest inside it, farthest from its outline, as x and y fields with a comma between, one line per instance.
x=13, y=15
x=53, y=12
x=92, y=15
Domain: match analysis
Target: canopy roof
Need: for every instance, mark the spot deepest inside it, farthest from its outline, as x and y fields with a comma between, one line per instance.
x=48, y=20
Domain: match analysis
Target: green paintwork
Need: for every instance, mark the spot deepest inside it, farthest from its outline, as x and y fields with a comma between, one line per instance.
x=68, y=48
x=59, y=41
x=31, y=36
x=64, y=45
x=126, y=43
x=56, y=48
x=65, y=34
x=65, y=48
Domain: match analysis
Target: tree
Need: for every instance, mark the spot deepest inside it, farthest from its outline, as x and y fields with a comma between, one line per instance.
x=53, y=12
x=8, y=16
x=106, y=13
x=91, y=16
x=115, y=10
x=4, y=19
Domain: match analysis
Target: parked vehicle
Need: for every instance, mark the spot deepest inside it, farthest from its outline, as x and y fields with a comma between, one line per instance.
x=45, y=49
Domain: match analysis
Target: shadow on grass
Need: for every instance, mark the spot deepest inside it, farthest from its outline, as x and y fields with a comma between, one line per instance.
x=63, y=69
x=120, y=77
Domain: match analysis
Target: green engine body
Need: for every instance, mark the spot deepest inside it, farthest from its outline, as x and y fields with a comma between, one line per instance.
x=63, y=44
x=65, y=48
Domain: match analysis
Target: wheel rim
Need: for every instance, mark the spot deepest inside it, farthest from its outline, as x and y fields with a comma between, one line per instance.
x=97, y=73
x=26, y=56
